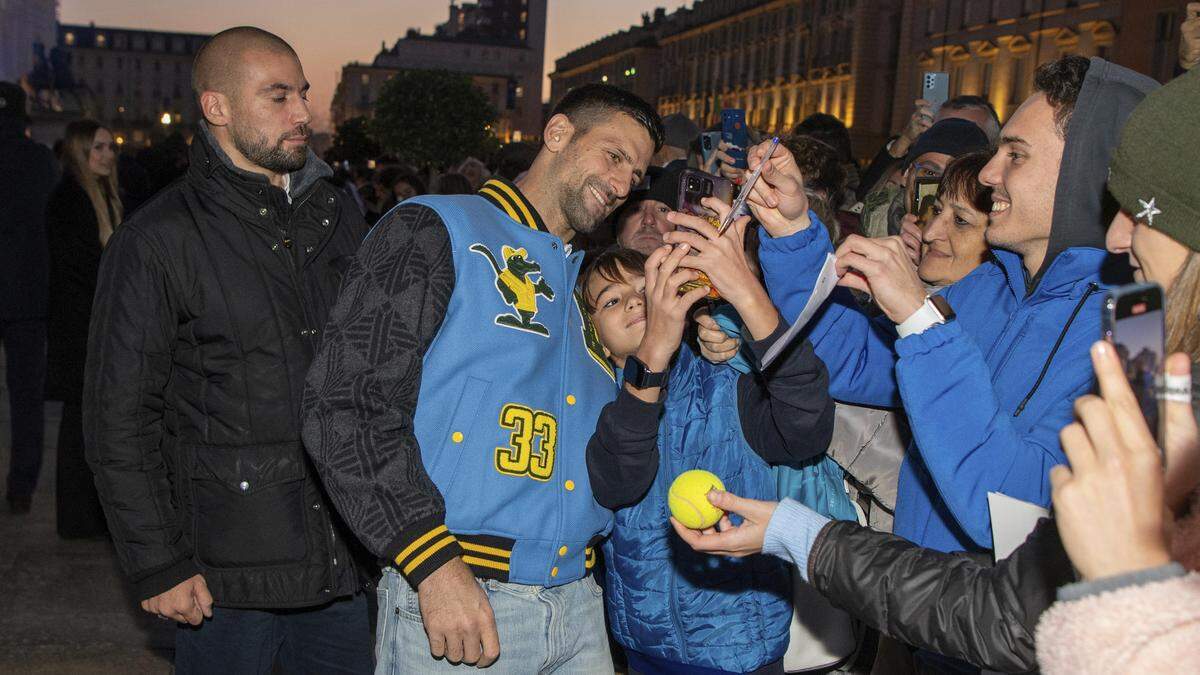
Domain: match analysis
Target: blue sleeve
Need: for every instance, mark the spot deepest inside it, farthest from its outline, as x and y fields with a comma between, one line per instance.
x=857, y=350
x=791, y=533
x=967, y=440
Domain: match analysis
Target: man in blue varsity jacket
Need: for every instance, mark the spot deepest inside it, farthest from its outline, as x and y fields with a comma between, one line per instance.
x=450, y=406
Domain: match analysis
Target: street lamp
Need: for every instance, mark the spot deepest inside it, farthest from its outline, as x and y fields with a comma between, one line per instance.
x=166, y=119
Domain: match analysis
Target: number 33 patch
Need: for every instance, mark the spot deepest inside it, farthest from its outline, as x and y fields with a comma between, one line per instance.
x=532, y=442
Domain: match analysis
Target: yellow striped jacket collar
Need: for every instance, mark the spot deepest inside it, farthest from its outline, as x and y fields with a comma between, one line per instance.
x=508, y=198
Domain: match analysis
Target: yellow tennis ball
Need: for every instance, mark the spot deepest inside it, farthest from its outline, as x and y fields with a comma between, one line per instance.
x=688, y=499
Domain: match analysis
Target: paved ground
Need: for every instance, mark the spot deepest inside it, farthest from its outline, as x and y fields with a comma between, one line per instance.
x=63, y=605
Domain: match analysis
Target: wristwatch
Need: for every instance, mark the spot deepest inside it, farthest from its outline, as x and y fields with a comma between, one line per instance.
x=638, y=376
x=933, y=311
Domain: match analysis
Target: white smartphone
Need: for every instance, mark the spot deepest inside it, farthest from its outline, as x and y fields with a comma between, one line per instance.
x=935, y=88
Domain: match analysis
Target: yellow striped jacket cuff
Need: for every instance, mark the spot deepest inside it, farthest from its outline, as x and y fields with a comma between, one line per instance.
x=422, y=548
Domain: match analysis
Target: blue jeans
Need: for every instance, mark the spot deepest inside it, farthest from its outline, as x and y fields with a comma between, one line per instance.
x=333, y=638
x=542, y=630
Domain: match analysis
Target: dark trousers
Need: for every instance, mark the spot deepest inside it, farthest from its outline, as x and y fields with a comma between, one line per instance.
x=24, y=343
x=79, y=512
x=334, y=638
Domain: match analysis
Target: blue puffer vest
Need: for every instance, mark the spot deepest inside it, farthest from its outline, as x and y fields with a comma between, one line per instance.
x=664, y=599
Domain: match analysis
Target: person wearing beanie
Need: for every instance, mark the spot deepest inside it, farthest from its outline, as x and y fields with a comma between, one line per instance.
x=927, y=159
x=680, y=132
x=1110, y=502
x=28, y=174
x=642, y=221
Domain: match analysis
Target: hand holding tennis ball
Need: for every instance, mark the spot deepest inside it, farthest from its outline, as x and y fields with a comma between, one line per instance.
x=688, y=499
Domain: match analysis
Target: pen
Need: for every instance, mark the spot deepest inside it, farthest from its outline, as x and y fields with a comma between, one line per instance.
x=745, y=193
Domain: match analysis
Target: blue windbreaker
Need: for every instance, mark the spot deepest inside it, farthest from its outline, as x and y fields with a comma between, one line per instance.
x=987, y=393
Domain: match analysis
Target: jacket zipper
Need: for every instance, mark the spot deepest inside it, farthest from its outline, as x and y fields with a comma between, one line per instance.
x=1092, y=288
x=294, y=273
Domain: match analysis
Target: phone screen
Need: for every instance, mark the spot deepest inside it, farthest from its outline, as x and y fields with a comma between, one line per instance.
x=1134, y=325
x=924, y=190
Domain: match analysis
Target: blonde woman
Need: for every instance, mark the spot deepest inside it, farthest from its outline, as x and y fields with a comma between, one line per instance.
x=81, y=215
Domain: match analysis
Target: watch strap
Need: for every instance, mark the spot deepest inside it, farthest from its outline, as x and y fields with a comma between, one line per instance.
x=919, y=321
x=638, y=376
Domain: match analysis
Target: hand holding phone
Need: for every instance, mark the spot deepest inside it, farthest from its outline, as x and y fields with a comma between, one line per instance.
x=694, y=186
x=1132, y=321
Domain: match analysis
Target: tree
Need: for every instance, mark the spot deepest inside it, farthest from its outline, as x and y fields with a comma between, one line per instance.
x=353, y=142
x=433, y=118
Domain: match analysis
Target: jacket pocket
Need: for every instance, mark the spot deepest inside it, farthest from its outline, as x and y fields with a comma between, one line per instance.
x=462, y=427
x=248, y=504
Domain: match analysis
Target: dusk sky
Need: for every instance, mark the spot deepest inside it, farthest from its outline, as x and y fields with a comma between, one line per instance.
x=328, y=35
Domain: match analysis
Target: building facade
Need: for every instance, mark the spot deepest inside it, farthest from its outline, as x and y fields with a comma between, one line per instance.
x=137, y=82
x=780, y=60
x=991, y=48
x=27, y=27
x=500, y=44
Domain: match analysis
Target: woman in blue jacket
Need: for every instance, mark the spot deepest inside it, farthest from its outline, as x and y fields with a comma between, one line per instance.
x=673, y=610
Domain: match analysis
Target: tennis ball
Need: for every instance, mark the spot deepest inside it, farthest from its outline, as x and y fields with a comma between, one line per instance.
x=688, y=499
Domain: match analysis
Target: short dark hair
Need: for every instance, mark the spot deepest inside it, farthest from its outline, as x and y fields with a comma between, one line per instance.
x=609, y=264
x=968, y=101
x=583, y=105
x=1061, y=81
x=961, y=179
x=829, y=130
x=819, y=164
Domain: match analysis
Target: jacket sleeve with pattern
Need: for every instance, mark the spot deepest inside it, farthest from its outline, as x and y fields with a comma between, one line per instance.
x=360, y=396
x=125, y=380
x=950, y=603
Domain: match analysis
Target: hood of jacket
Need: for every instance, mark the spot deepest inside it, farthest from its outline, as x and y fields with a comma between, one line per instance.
x=207, y=155
x=1082, y=206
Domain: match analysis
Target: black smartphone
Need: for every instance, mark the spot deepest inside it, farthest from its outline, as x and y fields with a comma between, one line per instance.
x=924, y=190
x=695, y=185
x=735, y=133
x=1133, y=321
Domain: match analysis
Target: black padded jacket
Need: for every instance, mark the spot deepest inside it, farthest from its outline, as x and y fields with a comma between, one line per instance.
x=207, y=314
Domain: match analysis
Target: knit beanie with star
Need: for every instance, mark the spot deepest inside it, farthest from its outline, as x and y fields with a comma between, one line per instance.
x=1154, y=173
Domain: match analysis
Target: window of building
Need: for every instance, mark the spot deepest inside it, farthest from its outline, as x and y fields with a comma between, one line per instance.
x=137, y=65
x=101, y=39
x=1163, y=61
x=1016, y=79
x=69, y=38
x=985, y=79
x=365, y=78
x=99, y=62
x=157, y=66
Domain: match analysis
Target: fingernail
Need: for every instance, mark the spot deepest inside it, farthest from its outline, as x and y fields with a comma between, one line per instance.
x=1100, y=348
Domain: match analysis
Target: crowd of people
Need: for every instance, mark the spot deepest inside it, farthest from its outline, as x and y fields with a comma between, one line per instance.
x=318, y=407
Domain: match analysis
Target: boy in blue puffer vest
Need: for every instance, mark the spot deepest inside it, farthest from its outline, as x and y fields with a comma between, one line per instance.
x=673, y=610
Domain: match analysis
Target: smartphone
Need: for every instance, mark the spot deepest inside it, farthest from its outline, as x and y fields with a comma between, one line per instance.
x=923, y=190
x=935, y=88
x=695, y=185
x=735, y=133
x=709, y=142
x=1132, y=321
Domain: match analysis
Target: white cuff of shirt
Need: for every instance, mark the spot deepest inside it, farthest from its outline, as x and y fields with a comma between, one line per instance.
x=920, y=320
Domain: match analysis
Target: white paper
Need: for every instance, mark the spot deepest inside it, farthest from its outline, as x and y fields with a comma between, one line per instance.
x=826, y=280
x=1012, y=521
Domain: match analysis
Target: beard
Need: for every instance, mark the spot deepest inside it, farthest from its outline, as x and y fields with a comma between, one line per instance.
x=575, y=201
x=257, y=147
